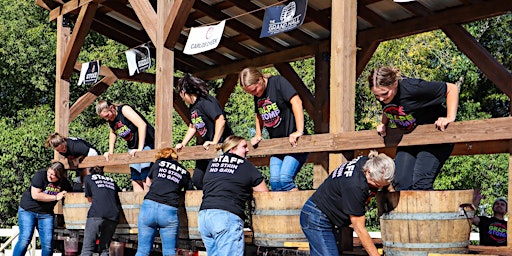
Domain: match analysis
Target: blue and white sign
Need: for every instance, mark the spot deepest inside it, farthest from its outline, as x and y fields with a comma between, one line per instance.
x=279, y=19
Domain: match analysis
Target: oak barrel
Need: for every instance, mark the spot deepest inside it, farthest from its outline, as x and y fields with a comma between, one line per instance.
x=276, y=217
x=416, y=223
x=76, y=207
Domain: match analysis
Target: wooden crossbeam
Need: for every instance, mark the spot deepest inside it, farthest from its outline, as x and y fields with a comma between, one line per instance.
x=147, y=16
x=67, y=8
x=175, y=21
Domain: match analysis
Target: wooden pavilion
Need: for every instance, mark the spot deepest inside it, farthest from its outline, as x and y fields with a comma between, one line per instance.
x=341, y=35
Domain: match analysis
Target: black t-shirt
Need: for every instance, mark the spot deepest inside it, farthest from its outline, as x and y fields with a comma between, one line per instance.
x=77, y=147
x=40, y=180
x=228, y=183
x=493, y=232
x=105, y=200
x=344, y=192
x=275, y=109
x=417, y=102
x=168, y=179
x=203, y=113
x=127, y=130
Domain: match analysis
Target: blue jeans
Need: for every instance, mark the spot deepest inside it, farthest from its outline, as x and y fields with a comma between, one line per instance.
x=318, y=230
x=154, y=216
x=139, y=171
x=283, y=169
x=222, y=232
x=27, y=221
x=418, y=166
x=98, y=228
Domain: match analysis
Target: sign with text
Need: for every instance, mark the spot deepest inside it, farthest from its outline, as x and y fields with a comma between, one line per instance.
x=139, y=59
x=89, y=72
x=279, y=19
x=203, y=39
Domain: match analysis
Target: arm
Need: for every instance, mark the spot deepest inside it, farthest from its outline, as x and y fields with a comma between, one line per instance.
x=358, y=223
x=220, y=123
x=129, y=113
x=258, y=128
x=111, y=143
x=298, y=113
x=452, y=103
x=262, y=187
x=39, y=195
x=477, y=197
x=381, y=128
x=148, y=181
x=188, y=136
x=89, y=199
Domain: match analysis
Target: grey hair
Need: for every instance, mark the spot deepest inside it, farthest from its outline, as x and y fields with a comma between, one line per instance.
x=380, y=166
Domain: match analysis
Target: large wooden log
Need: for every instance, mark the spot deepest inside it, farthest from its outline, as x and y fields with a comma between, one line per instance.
x=471, y=137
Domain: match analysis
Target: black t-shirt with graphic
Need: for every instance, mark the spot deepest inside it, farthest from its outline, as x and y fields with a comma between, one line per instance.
x=127, y=130
x=105, y=198
x=203, y=113
x=417, y=102
x=275, y=109
x=344, y=192
x=228, y=183
x=77, y=147
x=40, y=180
x=493, y=232
x=168, y=179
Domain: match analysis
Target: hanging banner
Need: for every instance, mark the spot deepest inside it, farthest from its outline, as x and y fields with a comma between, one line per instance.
x=279, y=19
x=139, y=59
x=89, y=72
x=203, y=39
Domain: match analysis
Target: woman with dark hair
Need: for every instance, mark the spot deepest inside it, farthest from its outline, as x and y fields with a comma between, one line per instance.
x=36, y=208
x=228, y=184
x=159, y=210
x=207, y=119
x=103, y=215
x=406, y=103
x=278, y=108
x=341, y=200
x=129, y=124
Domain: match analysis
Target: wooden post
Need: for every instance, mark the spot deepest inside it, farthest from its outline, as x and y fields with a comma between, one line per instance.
x=321, y=112
x=164, y=80
x=61, y=85
x=343, y=79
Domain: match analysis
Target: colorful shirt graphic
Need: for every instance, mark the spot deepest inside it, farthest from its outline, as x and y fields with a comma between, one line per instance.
x=398, y=118
x=199, y=123
x=269, y=112
x=123, y=131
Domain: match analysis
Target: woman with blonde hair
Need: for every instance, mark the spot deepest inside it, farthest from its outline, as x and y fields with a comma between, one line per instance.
x=159, y=211
x=341, y=200
x=278, y=108
x=129, y=124
x=229, y=183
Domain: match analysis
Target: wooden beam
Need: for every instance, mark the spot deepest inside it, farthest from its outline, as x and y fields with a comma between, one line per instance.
x=147, y=17
x=364, y=55
x=80, y=31
x=175, y=21
x=67, y=8
x=289, y=55
x=482, y=58
x=89, y=97
x=230, y=81
x=308, y=101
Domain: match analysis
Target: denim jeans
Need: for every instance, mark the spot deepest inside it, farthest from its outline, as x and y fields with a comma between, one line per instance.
x=154, y=216
x=318, y=230
x=27, y=221
x=98, y=228
x=139, y=171
x=222, y=232
x=418, y=166
x=283, y=169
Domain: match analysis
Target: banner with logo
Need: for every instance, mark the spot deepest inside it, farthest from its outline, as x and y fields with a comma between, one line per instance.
x=139, y=59
x=279, y=19
x=89, y=72
x=203, y=39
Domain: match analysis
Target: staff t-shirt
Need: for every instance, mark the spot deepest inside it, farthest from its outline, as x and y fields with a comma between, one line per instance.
x=105, y=198
x=344, y=192
x=127, y=130
x=40, y=180
x=168, y=178
x=228, y=183
x=493, y=232
x=275, y=109
x=203, y=113
x=417, y=102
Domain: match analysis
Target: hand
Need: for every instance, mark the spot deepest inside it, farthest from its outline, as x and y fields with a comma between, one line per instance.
x=294, y=138
x=179, y=146
x=133, y=151
x=60, y=195
x=442, y=123
x=381, y=130
x=107, y=155
x=207, y=144
x=255, y=140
